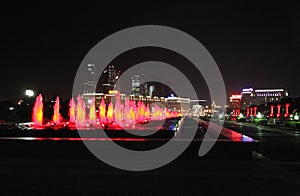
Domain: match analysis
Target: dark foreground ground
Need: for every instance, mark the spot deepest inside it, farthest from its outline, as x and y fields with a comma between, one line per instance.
x=62, y=168
x=66, y=167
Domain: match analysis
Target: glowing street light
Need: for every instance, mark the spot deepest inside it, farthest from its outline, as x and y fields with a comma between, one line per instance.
x=29, y=93
x=259, y=115
x=296, y=117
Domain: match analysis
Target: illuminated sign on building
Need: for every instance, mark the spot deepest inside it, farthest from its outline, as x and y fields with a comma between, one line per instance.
x=247, y=90
x=236, y=96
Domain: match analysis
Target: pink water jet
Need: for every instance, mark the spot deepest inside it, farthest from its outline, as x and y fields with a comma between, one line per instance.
x=92, y=114
x=121, y=113
x=110, y=113
x=158, y=113
x=72, y=109
x=56, y=119
x=127, y=118
x=37, y=113
x=80, y=112
x=102, y=112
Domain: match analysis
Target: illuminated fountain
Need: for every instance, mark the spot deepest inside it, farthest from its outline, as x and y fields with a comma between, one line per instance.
x=142, y=114
x=110, y=113
x=80, y=112
x=172, y=114
x=92, y=113
x=72, y=109
x=133, y=110
x=56, y=119
x=37, y=113
x=278, y=110
x=119, y=111
x=126, y=113
x=272, y=111
x=128, y=110
x=287, y=105
x=102, y=112
x=158, y=113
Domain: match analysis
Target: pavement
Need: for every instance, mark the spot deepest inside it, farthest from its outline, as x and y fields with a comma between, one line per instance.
x=68, y=168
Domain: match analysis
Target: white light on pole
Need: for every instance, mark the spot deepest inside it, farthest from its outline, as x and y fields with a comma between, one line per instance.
x=29, y=93
x=259, y=115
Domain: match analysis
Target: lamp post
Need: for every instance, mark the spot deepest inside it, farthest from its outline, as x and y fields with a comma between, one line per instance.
x=29, y=94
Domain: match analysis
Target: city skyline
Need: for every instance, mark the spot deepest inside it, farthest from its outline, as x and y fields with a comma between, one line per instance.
x=150, y=98
x=253, y=45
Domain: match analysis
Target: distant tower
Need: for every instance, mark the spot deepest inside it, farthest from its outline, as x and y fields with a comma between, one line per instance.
x=90, y=84
x=111, y=74
x=136, y=84
x=151, y=89
x=109, y=84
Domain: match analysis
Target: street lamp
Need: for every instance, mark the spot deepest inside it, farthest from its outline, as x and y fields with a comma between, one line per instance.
x=259, y=115
x=29, y=93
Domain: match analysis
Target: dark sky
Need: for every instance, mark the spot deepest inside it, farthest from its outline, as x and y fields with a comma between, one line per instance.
x=254, y=44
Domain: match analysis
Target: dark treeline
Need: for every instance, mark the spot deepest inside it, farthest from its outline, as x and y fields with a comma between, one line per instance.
x=21, y=111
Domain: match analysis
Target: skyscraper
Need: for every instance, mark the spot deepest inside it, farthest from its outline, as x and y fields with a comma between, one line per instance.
x=109, y=84
x=151, y=89
x=111, y=74
x=90, y=84
x=136, y=84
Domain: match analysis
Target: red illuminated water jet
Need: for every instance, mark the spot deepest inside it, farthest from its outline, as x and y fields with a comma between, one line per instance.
x=37, y=113
x=72, y=109
x=110, y=113
x=122, y=113
x=272, y=111
x=92, y=114
x=278, y=110
x=287, y=105
x=158, y=113
x=102, y=112
x=56, y=115
x=80, y=112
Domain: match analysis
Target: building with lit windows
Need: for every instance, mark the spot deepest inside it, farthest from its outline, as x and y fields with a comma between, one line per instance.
x=248, y=98
x=173, y=104
x=178, y=104
x=136, y=84
x=111, y=78
x=235, y=103
x=264, y=96
x=90, y=84
x=258, y=97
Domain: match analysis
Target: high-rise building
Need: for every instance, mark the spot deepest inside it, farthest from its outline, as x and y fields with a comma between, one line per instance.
x=136, y=84
x=111, y=78
x=151, y=89
x=248, y=98
x=90, y=84
x=235, y=103
x=144, y=89
x=139, y=87
x=258, y=97
x=264, y=96
x=112, y=74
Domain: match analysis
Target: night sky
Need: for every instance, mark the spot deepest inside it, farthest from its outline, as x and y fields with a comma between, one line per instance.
x=254, y=44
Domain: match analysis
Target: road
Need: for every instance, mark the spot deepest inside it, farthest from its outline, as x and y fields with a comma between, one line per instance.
x=276, y=143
